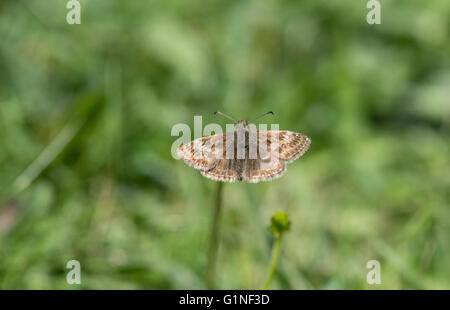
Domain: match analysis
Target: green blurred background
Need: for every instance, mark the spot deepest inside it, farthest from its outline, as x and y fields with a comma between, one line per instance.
x=86, y=171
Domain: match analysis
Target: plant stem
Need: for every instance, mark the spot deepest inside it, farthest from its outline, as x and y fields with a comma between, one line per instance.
x=46, y=156
x=276, y=249
x=42, y=161
x=214, y=238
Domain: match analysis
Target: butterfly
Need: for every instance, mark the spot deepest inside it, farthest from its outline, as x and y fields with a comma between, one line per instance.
x=245, y=154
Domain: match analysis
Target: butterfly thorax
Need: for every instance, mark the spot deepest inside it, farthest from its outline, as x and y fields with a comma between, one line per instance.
x=241, y=135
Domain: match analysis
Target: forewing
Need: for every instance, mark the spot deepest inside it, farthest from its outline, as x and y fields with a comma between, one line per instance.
x=202, y=153
x=284, y=144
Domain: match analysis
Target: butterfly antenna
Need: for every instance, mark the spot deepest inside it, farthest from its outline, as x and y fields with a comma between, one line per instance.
x=270, y=112
x=224, y=115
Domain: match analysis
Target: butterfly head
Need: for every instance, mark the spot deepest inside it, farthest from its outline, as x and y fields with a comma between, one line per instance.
x=241, y=125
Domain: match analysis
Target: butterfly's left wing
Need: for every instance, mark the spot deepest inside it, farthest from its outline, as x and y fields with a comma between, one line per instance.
x=202, y=153
x=225, y=170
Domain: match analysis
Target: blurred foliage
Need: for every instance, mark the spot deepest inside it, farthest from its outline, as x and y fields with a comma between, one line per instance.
x=86, y=113
x=279, y=223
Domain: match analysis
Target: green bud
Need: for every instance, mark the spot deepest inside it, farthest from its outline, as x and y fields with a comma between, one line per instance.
x=279, y=222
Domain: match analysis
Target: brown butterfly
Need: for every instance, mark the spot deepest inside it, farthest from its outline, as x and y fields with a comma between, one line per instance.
x=245, y=154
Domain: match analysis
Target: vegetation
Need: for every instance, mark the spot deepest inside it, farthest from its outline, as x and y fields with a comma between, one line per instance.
x=86, y=171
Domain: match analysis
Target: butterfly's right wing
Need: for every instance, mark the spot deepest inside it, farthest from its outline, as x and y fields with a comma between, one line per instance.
x=284, y=144
x=275, y=148
x=257, y=170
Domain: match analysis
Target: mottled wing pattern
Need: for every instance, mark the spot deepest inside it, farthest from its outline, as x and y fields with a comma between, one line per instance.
x=226, y=170
x=257, y=170
x=292, y=145
x=202, y=153
x=282, y=146
x=208, y=154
